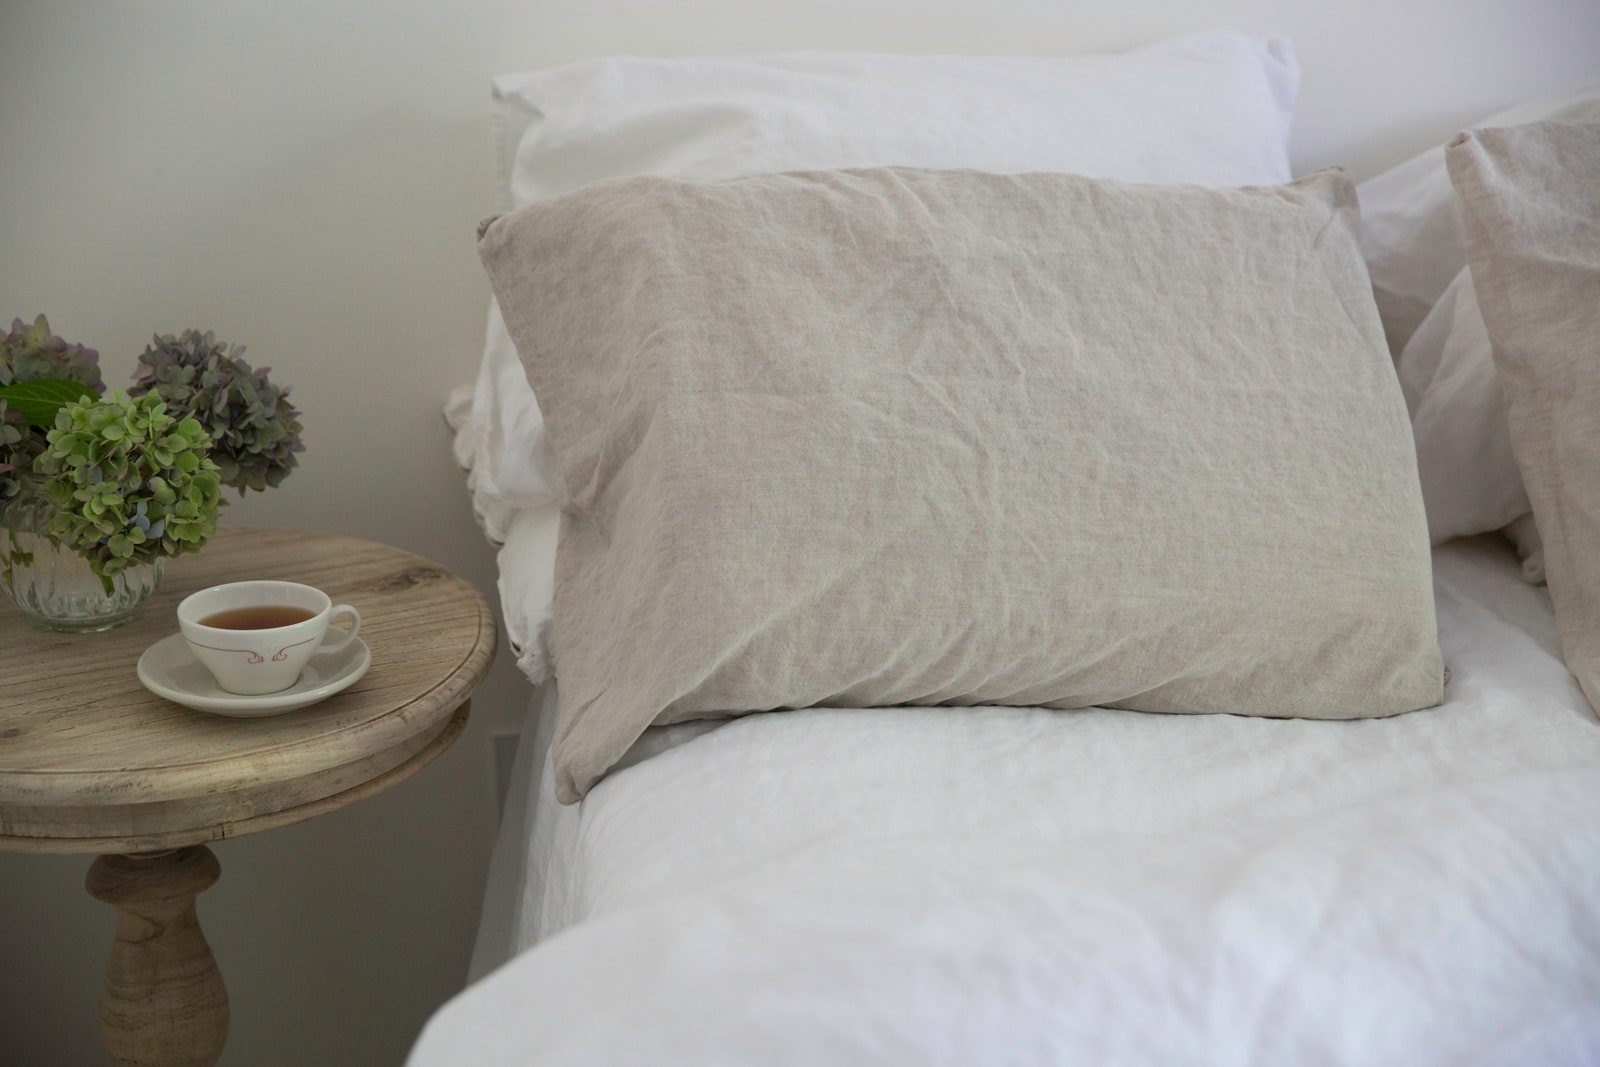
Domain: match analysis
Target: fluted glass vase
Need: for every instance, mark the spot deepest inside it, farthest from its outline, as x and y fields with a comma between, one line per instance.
x=55, y=586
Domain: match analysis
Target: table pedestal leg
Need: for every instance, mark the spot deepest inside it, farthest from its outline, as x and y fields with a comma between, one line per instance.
x=163, y=1001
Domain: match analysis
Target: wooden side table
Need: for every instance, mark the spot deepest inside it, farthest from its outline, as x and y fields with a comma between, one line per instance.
x=90, y=762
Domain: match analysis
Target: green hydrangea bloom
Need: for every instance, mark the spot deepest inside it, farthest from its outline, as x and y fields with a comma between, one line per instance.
x=129, y=482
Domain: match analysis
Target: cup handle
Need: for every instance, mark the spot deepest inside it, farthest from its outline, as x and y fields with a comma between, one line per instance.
x=355, y=628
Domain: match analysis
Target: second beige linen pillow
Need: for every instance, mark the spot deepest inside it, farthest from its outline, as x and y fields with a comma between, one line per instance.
x=1530, y=200
x=893, y=436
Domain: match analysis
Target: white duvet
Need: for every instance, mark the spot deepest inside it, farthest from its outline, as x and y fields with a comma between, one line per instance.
x=1015, y=886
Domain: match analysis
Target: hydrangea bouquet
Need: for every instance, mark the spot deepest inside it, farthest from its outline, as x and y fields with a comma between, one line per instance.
x=135, y=477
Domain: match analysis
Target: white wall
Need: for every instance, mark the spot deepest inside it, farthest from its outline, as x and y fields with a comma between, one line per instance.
x=304, y=177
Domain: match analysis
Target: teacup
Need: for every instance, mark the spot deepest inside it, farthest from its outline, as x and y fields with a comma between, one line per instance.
x=235, y=630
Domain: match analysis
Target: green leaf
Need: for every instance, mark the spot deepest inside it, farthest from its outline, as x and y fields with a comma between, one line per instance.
x=38, y=401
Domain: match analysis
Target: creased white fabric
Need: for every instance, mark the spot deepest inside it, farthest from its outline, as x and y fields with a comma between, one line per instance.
x=1013, y=886
x=1470, y=480
x=1209, y=108
x=499, y=438
x=525, y=538
x=525, y=581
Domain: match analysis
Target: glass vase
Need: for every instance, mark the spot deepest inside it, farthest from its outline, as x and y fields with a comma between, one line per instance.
x=55, y=586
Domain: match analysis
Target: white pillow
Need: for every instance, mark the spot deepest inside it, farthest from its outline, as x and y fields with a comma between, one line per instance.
x=499, y=436
x=527, y=586
x=1470, y=479
x=1415, y=246
x=1210, y=109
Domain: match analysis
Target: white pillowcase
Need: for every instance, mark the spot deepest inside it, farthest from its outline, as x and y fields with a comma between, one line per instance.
x=1212, y=109
x=1470, y=479
x=1412, y=236
x=500, y=438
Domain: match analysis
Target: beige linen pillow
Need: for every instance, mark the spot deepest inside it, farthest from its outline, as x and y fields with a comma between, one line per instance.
x=896, y=436
x=1530, y=199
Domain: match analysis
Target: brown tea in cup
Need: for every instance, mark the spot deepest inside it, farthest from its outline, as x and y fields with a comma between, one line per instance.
x=264, y=617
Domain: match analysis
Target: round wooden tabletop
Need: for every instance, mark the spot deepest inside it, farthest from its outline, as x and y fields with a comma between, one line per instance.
x=90, y=761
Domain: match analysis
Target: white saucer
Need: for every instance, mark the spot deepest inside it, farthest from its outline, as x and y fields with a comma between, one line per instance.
x=168, y=669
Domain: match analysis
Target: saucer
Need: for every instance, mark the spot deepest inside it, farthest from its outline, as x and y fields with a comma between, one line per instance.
x=169, y=669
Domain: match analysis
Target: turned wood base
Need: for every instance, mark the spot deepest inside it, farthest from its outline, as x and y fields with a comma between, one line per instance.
x=163, y=1002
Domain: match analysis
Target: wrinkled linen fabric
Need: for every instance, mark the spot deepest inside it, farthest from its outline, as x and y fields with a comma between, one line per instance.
x=1530, y=199
x=1208, y=108
x=1416, y=249
x=1411, y=232
x=914, y=437
x=1018, y=886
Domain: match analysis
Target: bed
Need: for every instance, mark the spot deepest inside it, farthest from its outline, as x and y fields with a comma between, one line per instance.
x=1386, y=851
x=1212, y=883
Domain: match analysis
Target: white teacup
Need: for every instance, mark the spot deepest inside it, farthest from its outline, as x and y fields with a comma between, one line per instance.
x=266, y=659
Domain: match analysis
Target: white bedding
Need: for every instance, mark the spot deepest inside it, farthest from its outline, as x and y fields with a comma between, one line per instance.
x=1009, y=885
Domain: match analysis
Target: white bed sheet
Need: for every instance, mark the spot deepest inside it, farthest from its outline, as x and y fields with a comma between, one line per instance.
x=1024, y=886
